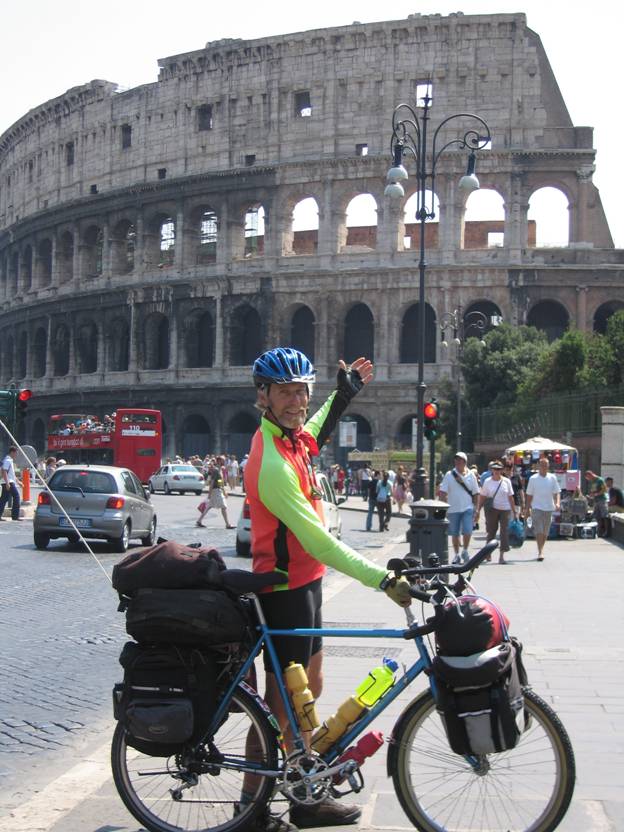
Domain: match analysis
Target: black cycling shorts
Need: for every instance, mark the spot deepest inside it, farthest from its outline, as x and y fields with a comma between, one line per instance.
x=290, y=608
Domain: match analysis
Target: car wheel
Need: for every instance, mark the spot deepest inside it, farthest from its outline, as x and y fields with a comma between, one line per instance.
x=150, y=539
x=243, y=550
x=166, y=488
x=41, y=540
x=151, y=487
x=120, y=544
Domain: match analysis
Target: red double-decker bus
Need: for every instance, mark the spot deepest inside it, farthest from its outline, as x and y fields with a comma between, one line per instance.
x=130, y=438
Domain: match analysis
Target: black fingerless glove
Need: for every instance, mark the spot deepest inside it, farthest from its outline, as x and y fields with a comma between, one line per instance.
x=349, y=384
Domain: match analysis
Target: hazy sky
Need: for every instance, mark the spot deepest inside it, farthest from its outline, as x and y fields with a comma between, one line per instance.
x=47, y=47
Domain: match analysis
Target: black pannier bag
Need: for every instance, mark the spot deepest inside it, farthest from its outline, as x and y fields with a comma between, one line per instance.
x=468, y=625
x=168, y=565
x=201, y=617
x=167, y=698
x=479, y=698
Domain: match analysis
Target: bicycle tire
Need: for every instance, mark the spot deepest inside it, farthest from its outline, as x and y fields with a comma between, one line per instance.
x=452, y=796
x=144, y=783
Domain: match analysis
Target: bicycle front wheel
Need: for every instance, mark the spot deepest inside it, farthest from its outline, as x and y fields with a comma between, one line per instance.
x=182, y=794
x=526, y=789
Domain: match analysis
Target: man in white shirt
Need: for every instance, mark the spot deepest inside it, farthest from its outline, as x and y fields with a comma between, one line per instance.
x=460, y=490
x=9, y=485
x=542, y=499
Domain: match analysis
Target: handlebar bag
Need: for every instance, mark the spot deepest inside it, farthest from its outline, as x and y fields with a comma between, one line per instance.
x=168, y=565
x=200, y=617
x=469, y=625
x=479, y=698
x=167, y=698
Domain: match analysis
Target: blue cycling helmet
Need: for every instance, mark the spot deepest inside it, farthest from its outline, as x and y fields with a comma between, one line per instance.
x=283, y=365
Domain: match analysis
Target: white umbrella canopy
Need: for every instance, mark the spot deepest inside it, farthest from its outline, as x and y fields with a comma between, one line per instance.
x=538, y=443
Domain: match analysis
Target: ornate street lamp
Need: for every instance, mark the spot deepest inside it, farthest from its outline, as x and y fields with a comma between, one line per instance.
x=409, y=138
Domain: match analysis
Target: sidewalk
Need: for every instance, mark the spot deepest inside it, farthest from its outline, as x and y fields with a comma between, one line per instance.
x=572, y=633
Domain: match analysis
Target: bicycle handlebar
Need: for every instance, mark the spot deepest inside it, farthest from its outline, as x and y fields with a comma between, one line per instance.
x=400, y=567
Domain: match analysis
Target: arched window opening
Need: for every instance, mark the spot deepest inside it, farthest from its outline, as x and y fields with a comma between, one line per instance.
x=118, y=345
x=44, y=263
x=406, y=433
x=245, y=336
x=123, y=241
x=409, y=349
x=94, y=251
x=208, y=233
x=254, y=231
x=167, y=238
x=302, y=331
x=200, y=341
x=604, y=312
x=305, y=226
x=22, y=356
x=549, y=316
x=359, y=333
x=362, y=221
x=241, y=429
x=40, y=349
x=13, y=273
x=484, y=220
x=66, y=257
x=9, y=359
x=412, y=221
x=60, y=351
x=196, y=436
x=156, y=351
x=27, y=269
x=87, y=347
x=549, y=219
x=474, y=325
x=364, y=433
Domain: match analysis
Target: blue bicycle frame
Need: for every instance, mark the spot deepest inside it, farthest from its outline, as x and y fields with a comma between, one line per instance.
x=266, y=638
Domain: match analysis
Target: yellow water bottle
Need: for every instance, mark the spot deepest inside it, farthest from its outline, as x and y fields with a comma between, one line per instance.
x=302, y=699
x=333, y=728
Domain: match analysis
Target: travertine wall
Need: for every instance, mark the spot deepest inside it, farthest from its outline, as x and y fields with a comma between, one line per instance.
x=88, y=179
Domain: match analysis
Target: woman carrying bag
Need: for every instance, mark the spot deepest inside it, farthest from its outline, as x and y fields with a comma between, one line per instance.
x=497, y=499
x=384, y=501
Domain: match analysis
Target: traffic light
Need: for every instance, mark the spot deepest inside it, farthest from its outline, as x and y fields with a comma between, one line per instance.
x=21, y=405
x=7, y=407
x=431, y=411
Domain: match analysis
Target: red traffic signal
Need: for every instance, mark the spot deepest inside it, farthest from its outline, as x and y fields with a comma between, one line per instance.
x=430, y=414
x=24, y=395
x=430, y=410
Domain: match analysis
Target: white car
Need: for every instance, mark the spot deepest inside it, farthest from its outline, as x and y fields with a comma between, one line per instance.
x=177, y=477
x=333, y=521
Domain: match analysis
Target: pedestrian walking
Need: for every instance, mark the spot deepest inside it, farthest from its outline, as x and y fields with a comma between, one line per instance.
x=460, y=490
x=372, y=499
x=516, y=483
x=543, y=496
x=50, y=467
x=598, y=491
x=400, y=488
x=365, y=478
x=216, y=494
x=9, y=485
x=384, y=501
x=496, y=499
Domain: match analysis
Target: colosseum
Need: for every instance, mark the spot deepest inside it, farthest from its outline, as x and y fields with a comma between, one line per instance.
x=154, y=240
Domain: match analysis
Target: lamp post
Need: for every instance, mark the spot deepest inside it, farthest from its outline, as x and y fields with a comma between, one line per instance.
x=472, y=324
x=409, y=138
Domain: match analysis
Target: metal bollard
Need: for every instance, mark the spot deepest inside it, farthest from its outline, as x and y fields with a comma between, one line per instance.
x=26, y=487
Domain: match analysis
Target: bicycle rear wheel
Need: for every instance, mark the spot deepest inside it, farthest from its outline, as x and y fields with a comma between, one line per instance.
x=526, y=789
x=145, y=783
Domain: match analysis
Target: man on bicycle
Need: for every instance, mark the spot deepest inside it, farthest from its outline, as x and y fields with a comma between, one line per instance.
x=287, y=531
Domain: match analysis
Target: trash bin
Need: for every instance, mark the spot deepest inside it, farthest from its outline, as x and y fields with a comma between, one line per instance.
x=428, y=530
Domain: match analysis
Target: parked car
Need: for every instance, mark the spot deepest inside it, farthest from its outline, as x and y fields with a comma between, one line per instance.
x=104, y=502
x=333, y=521
x=177, y=477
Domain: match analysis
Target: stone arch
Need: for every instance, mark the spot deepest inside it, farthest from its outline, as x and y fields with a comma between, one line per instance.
x=160, y=239
x=13, y=281
x=196, y=435
x=118, y=345
x=254, y=230
x=305, y=226
x=302, y=327
x=27, y=268
x=60, y=351
x=604, y=312
x=199, y=340
x=9, y=358
x=474, y=326
x=409, y=347
x=403, y=437
x=44, y=263
x=93, y=251
x=40, y=352
x=411, y=238
x=364, y=431
x=205, y=234
x=551, y=203
x=359, y=333
x=123, y=246
x=550, y=316
x=156, y=353
x=246, y=340
x=484, y=220
x=65, y=257
x=361, y=221
x=87, y=346
x=39, y=435
x=240, y=431
x=21, y=368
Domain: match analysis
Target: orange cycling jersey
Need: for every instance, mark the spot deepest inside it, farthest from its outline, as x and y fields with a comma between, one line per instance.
x=287, y=530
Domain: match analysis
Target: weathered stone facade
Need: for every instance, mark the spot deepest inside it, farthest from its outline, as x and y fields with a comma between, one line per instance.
x=135, y=268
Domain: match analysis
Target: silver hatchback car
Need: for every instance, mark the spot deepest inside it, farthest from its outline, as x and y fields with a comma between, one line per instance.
x=104, y=502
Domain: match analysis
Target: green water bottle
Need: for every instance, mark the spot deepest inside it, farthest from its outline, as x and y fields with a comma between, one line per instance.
x=377, y=683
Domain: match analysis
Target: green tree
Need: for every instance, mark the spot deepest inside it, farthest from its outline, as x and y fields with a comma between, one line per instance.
x=615, y=339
